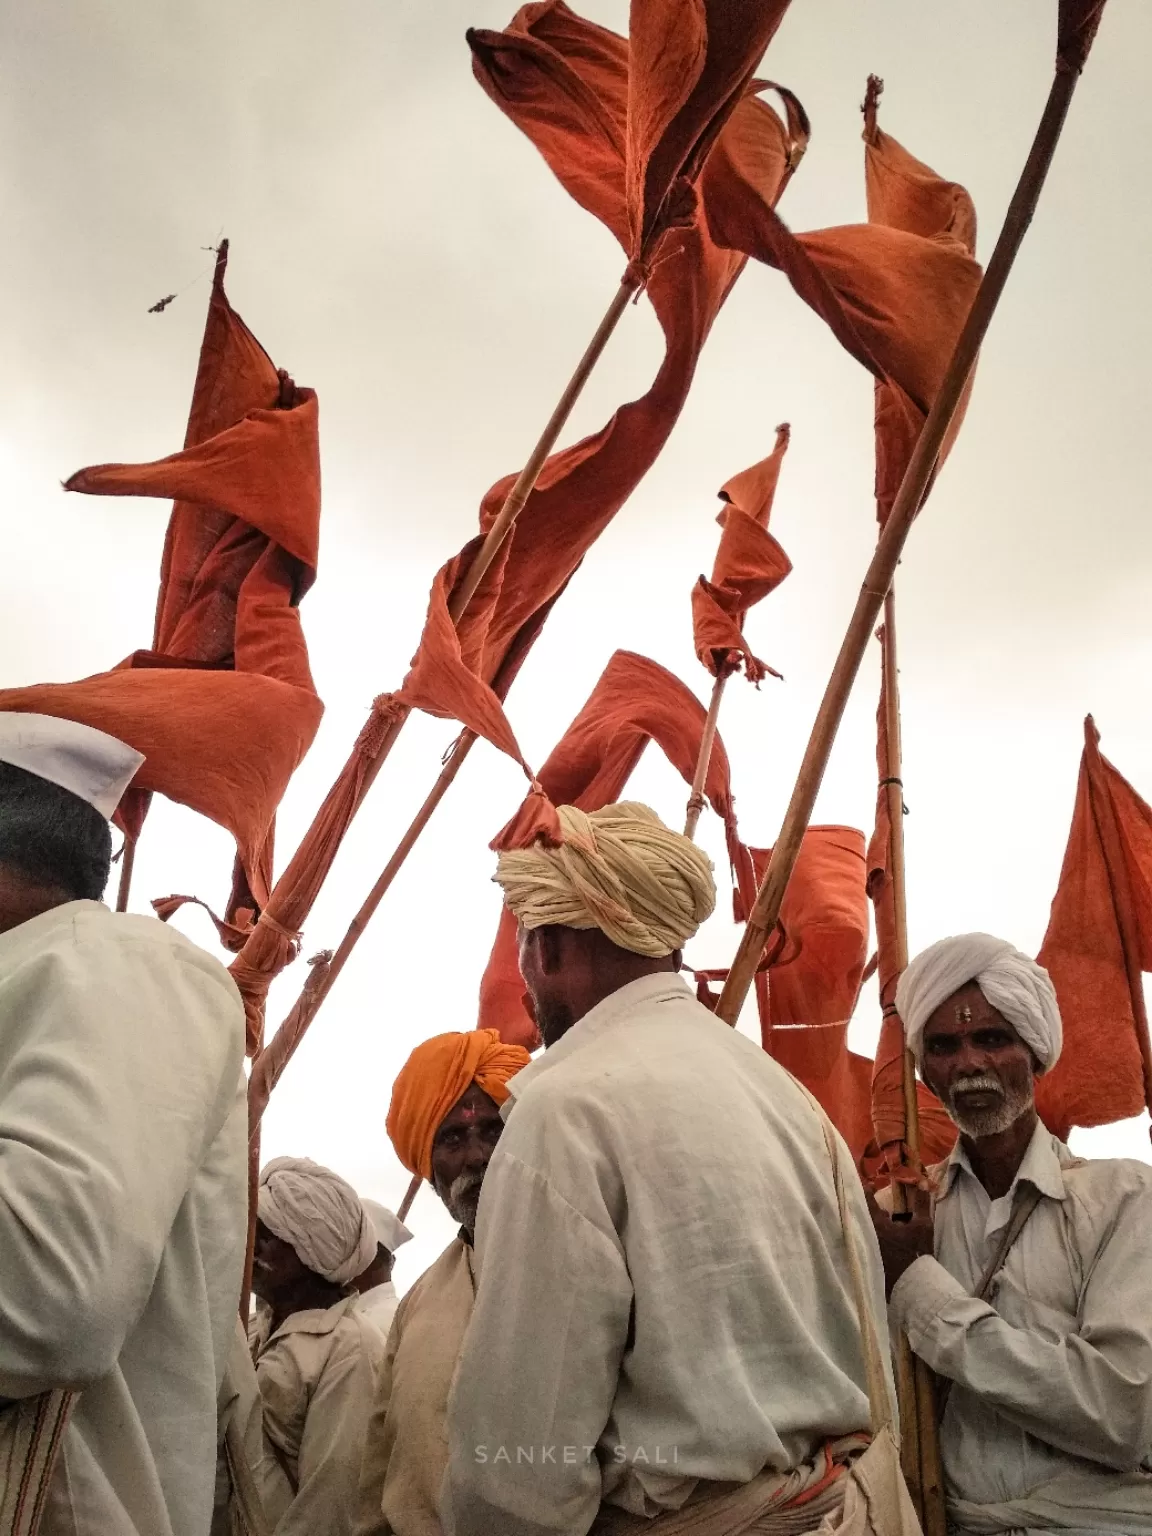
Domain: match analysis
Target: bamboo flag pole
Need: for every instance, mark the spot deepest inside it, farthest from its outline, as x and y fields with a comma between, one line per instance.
x=894, y=790
x=412, y=1191
x=704, y=756
x=502, y=525
x=920, y=1439
x=762, y=919
x=127, y=860
x=269, y=1065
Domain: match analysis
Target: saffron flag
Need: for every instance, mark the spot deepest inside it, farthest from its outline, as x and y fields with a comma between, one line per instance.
x=223, y=705
x=572, y=87
x=1098, y=943
x=749, y=564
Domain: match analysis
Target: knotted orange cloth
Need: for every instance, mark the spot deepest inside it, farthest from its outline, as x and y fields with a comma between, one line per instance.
x=438, y=1074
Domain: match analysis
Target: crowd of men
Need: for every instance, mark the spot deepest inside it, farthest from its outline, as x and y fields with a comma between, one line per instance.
x=667, y=1308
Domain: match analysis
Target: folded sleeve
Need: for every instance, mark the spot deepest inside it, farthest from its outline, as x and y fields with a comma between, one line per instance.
x=1088, y=1393
x=119, y=1067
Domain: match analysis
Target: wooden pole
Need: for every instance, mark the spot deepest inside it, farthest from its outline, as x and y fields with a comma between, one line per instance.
x=269, y=1065
x=762, y=919
x=894, y=790
x=526, y=480
x=1120, y=885
x=127, y=860
x=920, y=1439
x=514, y=504
x=704, y=757
x=413, y=1191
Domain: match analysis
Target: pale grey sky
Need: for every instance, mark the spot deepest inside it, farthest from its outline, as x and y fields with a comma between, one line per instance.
x=400, y=248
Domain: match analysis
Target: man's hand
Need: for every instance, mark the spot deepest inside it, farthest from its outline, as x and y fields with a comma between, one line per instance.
x=902, y=1240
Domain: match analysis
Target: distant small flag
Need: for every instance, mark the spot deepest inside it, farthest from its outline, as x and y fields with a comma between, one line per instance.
x=161, y=305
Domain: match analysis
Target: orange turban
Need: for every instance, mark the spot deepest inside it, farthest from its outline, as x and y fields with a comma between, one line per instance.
x=438, y=1074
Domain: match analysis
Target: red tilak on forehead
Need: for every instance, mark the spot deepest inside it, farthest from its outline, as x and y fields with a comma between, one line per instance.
x=469, y=1112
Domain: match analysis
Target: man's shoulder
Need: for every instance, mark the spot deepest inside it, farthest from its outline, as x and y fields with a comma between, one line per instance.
x=1100, y=1186
x=443, y=1268
x=98, y=937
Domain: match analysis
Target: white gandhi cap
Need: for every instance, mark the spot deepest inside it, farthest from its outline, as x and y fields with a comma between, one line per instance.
x=390, y=1230
x=91, y=764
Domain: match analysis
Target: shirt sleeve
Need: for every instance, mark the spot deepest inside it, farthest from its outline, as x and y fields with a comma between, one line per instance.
x=120, y=1065
x=540, y=1363
x=332, y=1444
x=1088, y=1393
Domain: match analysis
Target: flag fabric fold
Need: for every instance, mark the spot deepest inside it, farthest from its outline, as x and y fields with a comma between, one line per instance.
x=749, y=565
x=223, y=705
x=1098, y=944
x=895, y=291
x=567, y=84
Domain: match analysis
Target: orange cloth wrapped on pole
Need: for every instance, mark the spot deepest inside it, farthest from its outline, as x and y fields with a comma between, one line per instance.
x=1098, y=944
x=635, y=701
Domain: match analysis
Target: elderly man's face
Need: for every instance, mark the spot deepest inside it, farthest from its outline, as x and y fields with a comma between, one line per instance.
x=461, y=1153
x=976, y=1064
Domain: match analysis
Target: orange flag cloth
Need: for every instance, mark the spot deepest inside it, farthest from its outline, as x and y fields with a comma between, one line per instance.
x=937, y=1132
x=436, y=1075
x=1099, y=941
x=571, y=87
x=636, y=701
x=895, y=291
x=749, y=564
x=223, y=707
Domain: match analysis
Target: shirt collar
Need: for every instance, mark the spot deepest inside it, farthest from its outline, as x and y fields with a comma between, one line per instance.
x=1040, y=1166
x=646, y=992
x=315, y=1319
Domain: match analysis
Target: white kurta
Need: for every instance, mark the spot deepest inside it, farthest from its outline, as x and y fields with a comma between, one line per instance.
x=379, y=1305
x=122, y=1207
x=317, y=1376
x=1053, y=1375
x=662, y=1288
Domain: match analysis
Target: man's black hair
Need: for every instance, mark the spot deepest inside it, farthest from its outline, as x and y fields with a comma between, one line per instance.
x=51, y=836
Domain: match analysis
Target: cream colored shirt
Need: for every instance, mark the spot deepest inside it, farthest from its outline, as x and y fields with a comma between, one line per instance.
x=407, y=1447
x=379, y=1305
x=123, y=1138
x=1053, y=1375
x=662, y=1289
x=317, y=1376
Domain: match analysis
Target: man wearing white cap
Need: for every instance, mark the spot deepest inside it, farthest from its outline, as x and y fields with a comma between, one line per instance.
x=317, y=1369
x=378, y=1298
x=122, y=1164
x=1036, y=1310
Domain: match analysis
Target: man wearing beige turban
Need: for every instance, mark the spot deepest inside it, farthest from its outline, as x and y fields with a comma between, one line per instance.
x=665, y=1336
x=1025, y=1283
x=444, y=1122
x=316, y=1369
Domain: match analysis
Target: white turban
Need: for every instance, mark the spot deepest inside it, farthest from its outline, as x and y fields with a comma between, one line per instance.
x=315, y=1211
x=619, y=869
x=390, y=1230
x=1012, y=983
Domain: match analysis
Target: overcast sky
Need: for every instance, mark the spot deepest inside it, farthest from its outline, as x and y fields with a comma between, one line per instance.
x=400, y=248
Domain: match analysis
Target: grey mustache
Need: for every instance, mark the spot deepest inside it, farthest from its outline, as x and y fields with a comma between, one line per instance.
x=982, y=1082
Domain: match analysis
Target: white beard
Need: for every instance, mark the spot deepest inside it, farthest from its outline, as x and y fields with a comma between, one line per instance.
x=988, y=1122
